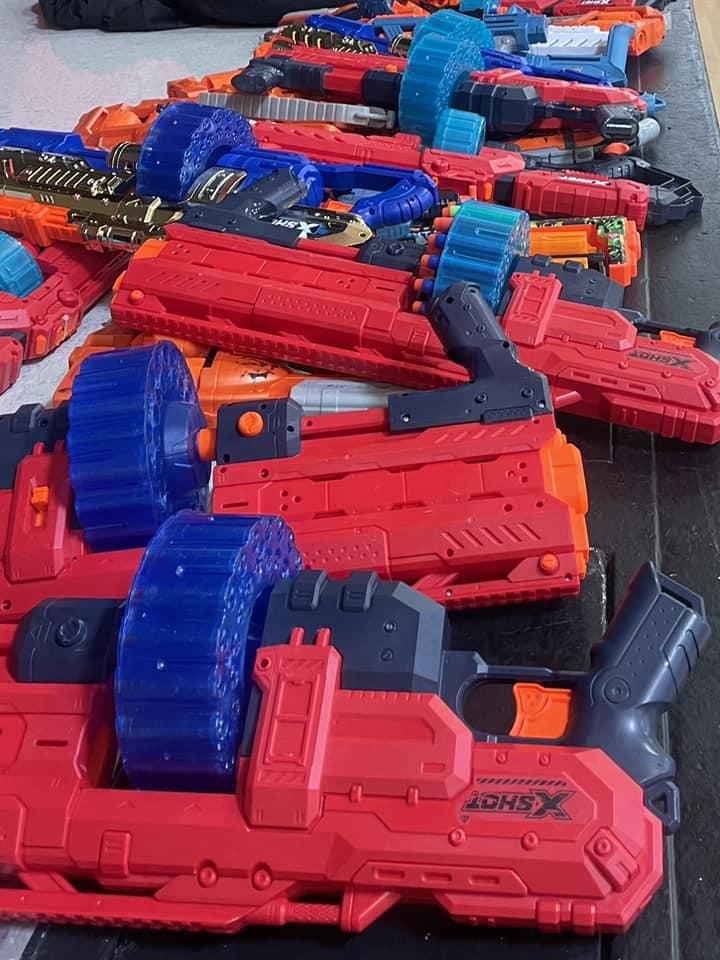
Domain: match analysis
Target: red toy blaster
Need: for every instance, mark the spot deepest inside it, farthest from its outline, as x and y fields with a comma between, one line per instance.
x=473, y=503
x=343, y=315
x=357, y=309
x=492, y=175
x=344, y=776
x=72, y=280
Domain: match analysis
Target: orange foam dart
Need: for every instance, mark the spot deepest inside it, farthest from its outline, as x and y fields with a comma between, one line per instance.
x=540, y=712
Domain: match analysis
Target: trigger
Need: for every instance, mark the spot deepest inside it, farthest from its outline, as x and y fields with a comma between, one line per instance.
x=540, y=713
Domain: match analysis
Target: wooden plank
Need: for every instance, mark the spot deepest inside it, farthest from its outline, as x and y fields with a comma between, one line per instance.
x=708, y=19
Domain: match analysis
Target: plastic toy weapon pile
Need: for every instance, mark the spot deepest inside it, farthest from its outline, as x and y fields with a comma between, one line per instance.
x=235, y=702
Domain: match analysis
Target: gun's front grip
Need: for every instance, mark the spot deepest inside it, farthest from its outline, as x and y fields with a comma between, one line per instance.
x=473, y=337
x=649, y=649
x=501, y=388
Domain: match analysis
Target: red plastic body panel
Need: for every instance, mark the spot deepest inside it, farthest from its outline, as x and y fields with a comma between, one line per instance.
x=74, y=280
x=343, y=73
x=473, y=553
x=562, y=91
x=341, y=315
x=43, y=554
x=311, y=306
x=616, y=374
x=11, y=358
x=470, y=515
x=350, y=802
x=580, y=195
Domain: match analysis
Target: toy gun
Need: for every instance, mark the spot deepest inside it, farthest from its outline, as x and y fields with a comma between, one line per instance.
x=253, y=189
x=104, y=211
x=648, y=24
x=44, y=292
x=77, y=499
x=329, y=771
x=686, y=406
x=564, y=193
x=626, y=377
x=79, y=222
x=671, y=197
x=573, y=7
x=625, y=186
x=462, y=173
x=599, y=362
x=460, y=111
x=610, y=244
x=471, y=175
x=59, y=200
x=596, y=56
x=222, y=378
x=380, y=334
x=512, y=32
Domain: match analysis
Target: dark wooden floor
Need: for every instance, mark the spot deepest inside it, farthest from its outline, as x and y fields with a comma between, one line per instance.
x=649, y=499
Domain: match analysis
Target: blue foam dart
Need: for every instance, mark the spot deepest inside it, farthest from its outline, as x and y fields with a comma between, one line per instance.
x=185, y=140
x=132, y=444
x=20, y=274
x=482, y=246
x=194, y=620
